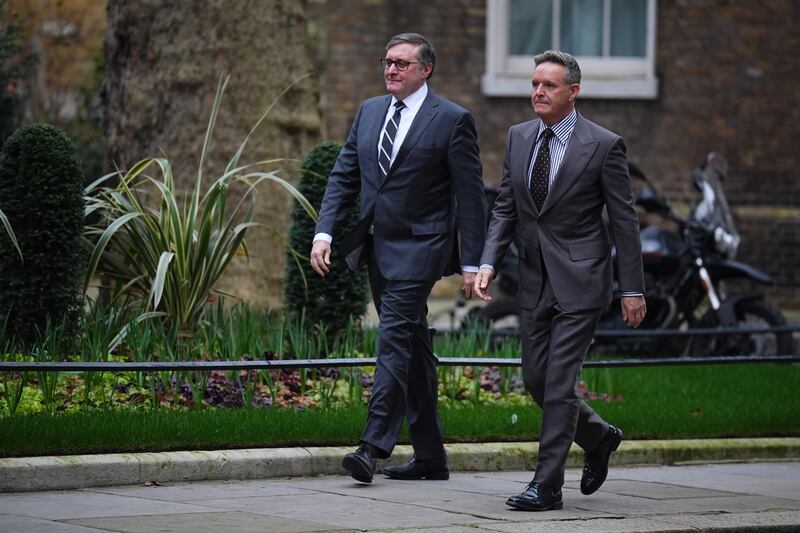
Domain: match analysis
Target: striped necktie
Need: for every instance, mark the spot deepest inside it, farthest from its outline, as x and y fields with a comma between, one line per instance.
x=387, y=139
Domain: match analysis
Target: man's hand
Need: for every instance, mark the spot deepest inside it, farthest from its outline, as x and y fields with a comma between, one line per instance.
x=633, y=310
x=321, y=257
x=469, y=283
x=482, y=281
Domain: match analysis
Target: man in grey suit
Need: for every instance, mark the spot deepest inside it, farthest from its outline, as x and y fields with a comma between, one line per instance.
x=413, y=156
x=560, y=170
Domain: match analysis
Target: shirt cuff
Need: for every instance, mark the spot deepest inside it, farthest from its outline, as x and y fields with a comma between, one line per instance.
x=487, y=265
x=631, y=294
x=322, y=237
x=469, y=268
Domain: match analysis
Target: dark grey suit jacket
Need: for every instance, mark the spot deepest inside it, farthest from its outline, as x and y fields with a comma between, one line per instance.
x=413, y=209
x=569, y=233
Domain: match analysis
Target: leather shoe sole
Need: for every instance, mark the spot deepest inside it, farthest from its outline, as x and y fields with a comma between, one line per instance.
x=357, y=469
x=441, y=475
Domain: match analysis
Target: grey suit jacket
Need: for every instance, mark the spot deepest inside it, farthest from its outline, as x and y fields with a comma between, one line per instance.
x=432, y=193
x=569, y=234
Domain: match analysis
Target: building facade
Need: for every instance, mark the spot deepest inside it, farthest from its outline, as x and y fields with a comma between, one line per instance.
x=677, y=79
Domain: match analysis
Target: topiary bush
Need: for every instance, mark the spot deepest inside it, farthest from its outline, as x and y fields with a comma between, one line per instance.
x=41, y=193
x=329, y=301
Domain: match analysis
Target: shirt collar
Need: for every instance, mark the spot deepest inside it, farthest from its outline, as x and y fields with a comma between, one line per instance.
x=414, y=100
x=562, y=129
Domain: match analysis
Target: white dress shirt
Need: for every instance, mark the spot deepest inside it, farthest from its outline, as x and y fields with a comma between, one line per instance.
x=413, y=102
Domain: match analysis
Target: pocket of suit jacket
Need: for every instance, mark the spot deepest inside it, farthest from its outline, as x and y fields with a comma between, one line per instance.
x=579, y=251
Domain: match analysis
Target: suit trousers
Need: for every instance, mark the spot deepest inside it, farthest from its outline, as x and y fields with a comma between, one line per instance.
x=405, y=383
x=554, y=345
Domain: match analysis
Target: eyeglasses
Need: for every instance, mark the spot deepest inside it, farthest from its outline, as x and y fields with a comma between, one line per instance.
x=399, y=64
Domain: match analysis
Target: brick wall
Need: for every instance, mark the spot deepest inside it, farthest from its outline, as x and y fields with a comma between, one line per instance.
x=728, y=72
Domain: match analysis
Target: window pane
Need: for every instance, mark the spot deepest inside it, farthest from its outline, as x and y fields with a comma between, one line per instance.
x=628, y=27
x=582, y=27
x=530, y=24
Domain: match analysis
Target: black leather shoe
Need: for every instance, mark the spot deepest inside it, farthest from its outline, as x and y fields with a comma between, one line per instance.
x=595, y=466
x=420, y=469
x=537, y=497
x=361, y=463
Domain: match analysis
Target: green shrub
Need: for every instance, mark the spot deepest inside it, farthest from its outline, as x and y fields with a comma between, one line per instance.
x=41, y=193
x=328, y=302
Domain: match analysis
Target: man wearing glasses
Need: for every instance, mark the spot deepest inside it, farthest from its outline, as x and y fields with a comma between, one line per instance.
x=412, y=156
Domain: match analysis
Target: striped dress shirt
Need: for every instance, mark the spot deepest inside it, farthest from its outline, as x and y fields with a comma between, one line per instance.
x=558, y=145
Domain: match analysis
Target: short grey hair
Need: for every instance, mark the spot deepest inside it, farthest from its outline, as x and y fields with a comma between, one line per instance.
x=561, y=58
x=427, y=54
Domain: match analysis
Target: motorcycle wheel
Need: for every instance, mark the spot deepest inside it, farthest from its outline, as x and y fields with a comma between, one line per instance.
x=749, y=314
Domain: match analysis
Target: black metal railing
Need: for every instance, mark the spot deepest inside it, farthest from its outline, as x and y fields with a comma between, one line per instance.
x=293, y=364
x=640, y=332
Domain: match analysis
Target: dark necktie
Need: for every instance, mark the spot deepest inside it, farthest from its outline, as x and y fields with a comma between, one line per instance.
x=387, y=139
x=540, y=173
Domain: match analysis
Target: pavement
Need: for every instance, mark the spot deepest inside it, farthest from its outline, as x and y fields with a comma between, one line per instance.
x=730, y=497
x=730, y=485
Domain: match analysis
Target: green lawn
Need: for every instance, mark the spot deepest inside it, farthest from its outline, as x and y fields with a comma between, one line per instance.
x=653, y=402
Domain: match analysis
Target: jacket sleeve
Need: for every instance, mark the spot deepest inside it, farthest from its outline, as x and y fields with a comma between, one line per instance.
x=465, y=167
x=344, y=183
x=503, y=219
x=623, y=219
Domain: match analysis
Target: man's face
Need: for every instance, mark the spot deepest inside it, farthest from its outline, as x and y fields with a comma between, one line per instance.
x=402, y=83
x=552, y=98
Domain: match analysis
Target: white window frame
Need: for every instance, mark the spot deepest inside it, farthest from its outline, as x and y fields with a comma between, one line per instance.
x=602, y=77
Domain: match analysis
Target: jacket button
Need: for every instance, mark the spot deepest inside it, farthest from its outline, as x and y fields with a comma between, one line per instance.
x=380, y=193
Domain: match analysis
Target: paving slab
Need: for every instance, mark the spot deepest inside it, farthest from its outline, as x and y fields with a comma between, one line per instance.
x=596, y=525
x=786, y=521
x=767, y=479
x=204, y=523
x=364, y=512
x=17, y=524
x=654, y=491
x=63, y=505
x=213, y=490
x=644, y=499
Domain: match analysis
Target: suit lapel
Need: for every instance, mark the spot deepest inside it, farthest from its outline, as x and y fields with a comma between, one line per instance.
x=422, y=120
x=579, y=151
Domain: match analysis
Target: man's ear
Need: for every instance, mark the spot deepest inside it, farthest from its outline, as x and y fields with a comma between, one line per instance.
x=574, y=89
x=426, y=70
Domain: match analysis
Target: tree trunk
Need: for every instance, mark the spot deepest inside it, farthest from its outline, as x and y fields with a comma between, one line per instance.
x=164, y=60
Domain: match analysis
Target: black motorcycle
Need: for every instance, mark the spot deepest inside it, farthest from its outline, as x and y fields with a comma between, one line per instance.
x=688, y=265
